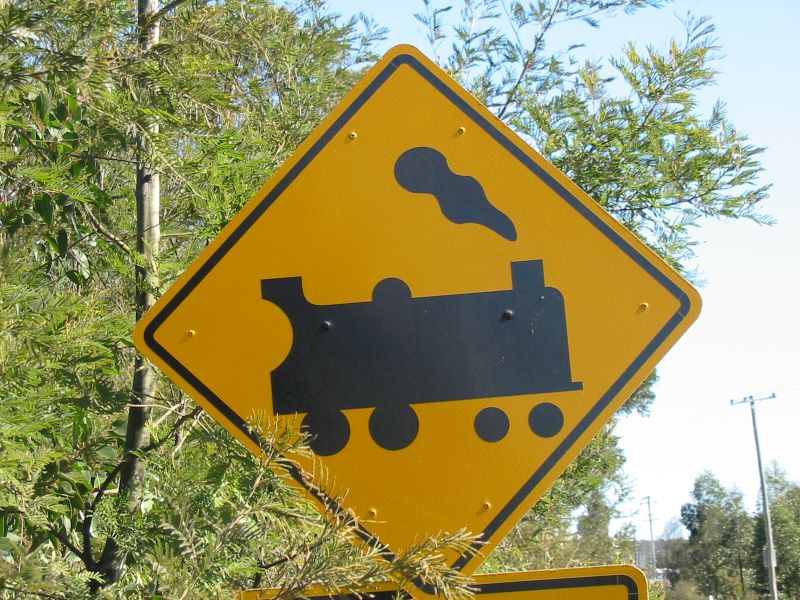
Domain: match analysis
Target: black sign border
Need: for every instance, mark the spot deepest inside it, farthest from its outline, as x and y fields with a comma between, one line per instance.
x=531, y=585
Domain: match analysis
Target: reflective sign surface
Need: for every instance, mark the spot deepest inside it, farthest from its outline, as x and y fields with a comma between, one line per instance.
x=448, y=315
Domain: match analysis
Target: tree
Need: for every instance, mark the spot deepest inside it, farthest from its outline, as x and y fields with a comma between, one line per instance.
x=684, y=590
x=784, y=498
x=596, y=546
x=671, y=552
x=720, y=538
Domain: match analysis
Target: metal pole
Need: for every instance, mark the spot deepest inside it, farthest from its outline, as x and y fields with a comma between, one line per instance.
x=652, y=540
x=769, y=561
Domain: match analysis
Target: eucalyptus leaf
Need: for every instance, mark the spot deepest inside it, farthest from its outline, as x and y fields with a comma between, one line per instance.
x=63, y=242
x=43, y=205
x=42, y=104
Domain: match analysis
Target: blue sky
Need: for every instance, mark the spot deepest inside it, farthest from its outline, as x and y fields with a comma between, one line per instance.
x=746, y=340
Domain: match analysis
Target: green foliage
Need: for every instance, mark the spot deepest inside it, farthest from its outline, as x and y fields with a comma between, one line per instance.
x=720, y=539
x=61, y=360
x=648, y=157
x=684, y=590
x=629, y=133
x=723, y=555
x=642, y=398
x=784, y=501
x=656, y=590
x=596, y=545
x=672, y=557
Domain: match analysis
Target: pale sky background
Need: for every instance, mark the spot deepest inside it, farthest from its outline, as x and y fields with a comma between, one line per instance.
x=746, y=339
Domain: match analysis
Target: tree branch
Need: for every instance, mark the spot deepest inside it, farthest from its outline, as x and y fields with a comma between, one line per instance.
x=101, y=490
x=529, y=62
x=38, y=149
x=39, y=594
x=87, y=560
x=165, y=9
x=180, y=421
x=103, y=231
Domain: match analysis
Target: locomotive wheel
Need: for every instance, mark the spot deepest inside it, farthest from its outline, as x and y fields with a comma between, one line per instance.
x=329, y=429
x=546, y=420
x=393, y=427
x=491, y=424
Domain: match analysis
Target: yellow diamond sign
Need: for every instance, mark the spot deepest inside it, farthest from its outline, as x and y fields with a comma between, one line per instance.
x=448, y=315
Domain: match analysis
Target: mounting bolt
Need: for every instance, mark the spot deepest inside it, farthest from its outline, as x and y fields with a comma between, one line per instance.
x=462, y=130
x=327, y=325
x=373, y=512
x=487, y=505
x=508, y=314
x=352, y=135
x=191, y=333
x=644, y=305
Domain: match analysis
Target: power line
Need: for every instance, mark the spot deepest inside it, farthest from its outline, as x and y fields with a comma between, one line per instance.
x=714, y=416
x=789, y=383
x=792, y=383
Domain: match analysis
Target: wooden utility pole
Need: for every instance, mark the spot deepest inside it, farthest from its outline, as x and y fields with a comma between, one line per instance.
x=148, y=236
x=769, y=554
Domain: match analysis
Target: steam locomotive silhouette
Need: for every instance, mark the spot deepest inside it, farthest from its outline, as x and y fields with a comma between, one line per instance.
x=397, y=350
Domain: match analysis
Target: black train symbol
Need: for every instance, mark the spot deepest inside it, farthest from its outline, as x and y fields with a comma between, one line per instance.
x=396, y=351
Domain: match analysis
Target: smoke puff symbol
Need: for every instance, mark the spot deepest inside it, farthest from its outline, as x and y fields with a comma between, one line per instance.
x=423, y=170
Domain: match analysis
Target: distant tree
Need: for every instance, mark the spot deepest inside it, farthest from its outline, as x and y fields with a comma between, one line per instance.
x=671, y=552
x=784, y=498
x=684, y=590
x=596, y=546
x=720, y=539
